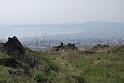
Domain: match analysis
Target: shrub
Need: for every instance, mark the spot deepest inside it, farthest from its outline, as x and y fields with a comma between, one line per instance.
x=52, y=66
x=41, y=77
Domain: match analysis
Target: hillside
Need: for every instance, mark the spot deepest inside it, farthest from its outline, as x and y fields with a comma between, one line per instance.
x=98, y=65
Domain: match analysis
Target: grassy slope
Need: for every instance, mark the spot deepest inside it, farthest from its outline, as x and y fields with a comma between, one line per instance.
x=106, y=66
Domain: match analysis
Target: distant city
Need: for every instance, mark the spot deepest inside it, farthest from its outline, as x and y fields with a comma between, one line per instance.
x=83, y=35
x=38, y=45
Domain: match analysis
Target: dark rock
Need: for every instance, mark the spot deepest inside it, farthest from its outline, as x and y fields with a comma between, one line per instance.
x=17, y=53
x=10, y=62
x=13, y=48
x=69, y=46
x=100, y=46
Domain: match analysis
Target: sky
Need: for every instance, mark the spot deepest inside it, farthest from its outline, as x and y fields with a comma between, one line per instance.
x=28, y=12
x=60, y=11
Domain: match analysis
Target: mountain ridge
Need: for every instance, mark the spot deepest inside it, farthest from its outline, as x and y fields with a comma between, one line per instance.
x=91, y=29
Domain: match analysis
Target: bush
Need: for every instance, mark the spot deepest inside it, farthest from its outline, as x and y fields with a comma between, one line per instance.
x=41, y=77
x=52, y=66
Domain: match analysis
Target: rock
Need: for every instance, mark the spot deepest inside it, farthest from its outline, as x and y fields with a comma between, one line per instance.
x=14, y=48
x=69, y=46
x=14, y=45
x=10, y=62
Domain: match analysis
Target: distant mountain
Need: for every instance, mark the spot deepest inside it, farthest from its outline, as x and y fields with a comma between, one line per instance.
x=91, y=30
x=87, y=30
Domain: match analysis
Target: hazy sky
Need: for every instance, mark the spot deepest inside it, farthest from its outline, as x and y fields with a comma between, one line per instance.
x=60, y=11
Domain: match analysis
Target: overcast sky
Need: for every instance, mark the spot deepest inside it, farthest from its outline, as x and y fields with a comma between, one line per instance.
x=60, y=11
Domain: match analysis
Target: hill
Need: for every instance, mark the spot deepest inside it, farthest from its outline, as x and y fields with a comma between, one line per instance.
x=97, y=65
x=86, y=30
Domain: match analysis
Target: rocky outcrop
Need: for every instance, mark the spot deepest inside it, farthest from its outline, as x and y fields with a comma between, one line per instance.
x=10, y=62
x=13, y=48
x=69, y=46
x=15, y=51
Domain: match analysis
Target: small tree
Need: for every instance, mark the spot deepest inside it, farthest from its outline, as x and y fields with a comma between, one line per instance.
x=44, y=35
x=37, y=44
x=0, y=40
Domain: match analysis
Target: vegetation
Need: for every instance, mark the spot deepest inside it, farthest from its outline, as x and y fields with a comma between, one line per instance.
x=105, y=65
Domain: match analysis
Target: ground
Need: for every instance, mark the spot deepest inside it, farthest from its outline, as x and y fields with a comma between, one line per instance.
x=102, y=65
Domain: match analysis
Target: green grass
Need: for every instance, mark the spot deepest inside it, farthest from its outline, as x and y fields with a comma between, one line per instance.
x=106, y=66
